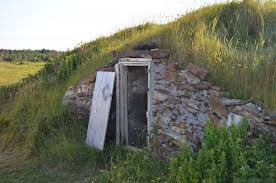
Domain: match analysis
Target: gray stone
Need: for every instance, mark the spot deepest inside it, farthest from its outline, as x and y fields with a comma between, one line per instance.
x=191, y=78
x=234, y=119
x=159, y=97
x=202, y=117
x=190, y=118
x=193, y=105
x=272, y=115
x=69, y=97
x=165, y=118
x=227, y=101
x=175, y=135
x=178, y=130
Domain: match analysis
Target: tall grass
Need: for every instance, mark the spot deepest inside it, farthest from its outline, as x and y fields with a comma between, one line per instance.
x=233, y=41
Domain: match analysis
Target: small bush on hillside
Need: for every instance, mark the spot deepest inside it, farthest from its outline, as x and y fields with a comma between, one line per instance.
x=225, y=158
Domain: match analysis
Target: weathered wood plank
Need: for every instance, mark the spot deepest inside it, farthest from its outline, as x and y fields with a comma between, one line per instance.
x=100, y=109
x=117, y=104
x=123, y=103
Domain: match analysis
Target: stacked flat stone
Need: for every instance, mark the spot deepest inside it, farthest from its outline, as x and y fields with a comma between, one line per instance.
x=182, y=102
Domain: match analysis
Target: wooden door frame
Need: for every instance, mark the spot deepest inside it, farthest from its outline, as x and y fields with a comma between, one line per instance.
x=121, y=96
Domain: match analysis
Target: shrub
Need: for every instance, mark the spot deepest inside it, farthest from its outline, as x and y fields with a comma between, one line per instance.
x=225, y=158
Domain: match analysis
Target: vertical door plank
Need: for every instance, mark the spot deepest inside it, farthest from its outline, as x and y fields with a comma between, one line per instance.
x=117, y=103
x=100, y=109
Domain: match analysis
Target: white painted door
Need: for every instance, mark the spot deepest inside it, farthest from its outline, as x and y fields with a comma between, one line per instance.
x=100, y=109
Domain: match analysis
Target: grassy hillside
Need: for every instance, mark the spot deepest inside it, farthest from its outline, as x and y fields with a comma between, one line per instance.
x=13, y=72
x=236, y=41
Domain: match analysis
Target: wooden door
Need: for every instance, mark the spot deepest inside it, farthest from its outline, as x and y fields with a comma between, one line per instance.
x=100, y=109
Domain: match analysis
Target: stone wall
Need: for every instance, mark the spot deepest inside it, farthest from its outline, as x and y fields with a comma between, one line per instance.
x=182, y=103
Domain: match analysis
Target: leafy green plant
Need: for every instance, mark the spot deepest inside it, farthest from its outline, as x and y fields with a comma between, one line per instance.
x=225, y=158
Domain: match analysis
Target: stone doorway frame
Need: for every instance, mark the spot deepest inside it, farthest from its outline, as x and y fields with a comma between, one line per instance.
x=121, y=97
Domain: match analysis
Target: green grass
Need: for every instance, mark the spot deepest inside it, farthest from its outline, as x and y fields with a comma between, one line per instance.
x=13, y=72
x=238, y=53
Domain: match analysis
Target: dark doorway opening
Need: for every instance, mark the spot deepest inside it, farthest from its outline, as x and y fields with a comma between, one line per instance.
x=137, y=103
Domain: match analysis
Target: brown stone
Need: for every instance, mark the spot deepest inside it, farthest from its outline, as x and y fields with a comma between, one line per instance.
x=272, y=123
x=188, y=87
x=192, y=138
x=173, y=100
x=178, y=129
x=216, y=88
x=202, y=85
x=197, y=71
x=193, y=105
x=215, y=93
x=182, y=78
x=176, y=143
x=171, y=76
x=214, y=119
x=164, y=91
x=192, y=110
x=160, y=53
x=217, y=106
x=173, y=67
x=180, y=125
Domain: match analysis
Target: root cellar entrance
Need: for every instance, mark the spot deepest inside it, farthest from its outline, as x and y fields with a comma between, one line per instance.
x=133, y=102
x=137, y=87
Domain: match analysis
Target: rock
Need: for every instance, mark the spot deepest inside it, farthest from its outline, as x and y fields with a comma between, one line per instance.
x=216, y=88
x=197, y=71
x=173, y=100
x=191, y=119
x=234, y=119
x=252, y=108
x=272, y=123
x=192, y=105
x=159, y=97
x=202, y=85
x=180, y=138
x=192, y=110
x=178, y=130
x=173, y=67
x=192, y=138
x=202, y=117
x=160, y=53
x=215, y=119
x=180, y=124
x=188, y=87
x=191, y=78
x=217, y=106
x=171, y=75
x=164, y=119
x=272, y=115
x=69, y=97
x=215, y=93
x=163, y=91
x=227, y=101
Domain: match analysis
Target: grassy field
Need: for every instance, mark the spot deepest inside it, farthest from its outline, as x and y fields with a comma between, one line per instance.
x=236, y=41
x=13, y=72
